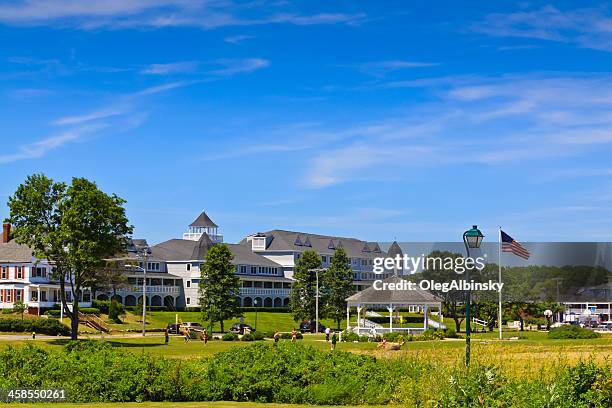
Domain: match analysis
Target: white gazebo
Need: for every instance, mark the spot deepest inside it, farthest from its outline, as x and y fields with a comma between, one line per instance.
x=391, y=300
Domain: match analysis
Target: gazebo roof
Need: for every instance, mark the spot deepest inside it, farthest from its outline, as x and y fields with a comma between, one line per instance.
x=395, y=297
x=203, y=220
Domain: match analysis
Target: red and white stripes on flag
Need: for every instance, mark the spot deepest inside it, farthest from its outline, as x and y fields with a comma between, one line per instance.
x=509, y=244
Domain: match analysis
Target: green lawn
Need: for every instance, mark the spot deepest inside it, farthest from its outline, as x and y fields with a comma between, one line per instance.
x=266, y=321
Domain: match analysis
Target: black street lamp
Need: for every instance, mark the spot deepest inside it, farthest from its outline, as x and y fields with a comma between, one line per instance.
x=472, y=238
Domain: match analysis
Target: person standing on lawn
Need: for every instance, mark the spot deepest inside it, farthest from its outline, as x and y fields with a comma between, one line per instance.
x=334, y=339
x=205, y=337
x=327, y=333
x=166, y=336
x=293, y=335
x=277, y=336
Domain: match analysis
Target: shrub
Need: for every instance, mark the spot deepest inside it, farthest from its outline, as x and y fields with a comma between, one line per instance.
x=247, y=337
x=450, y=333
x=114, y=311
x=40, y=325
x=7, y=311
x=53, y=313
x=260, y=336
x=430, y=334
x=103, y=305
x=90, y=310
x=572, y=332
x=298, y=374
x=287, y=336
x=392, y=337
x=229, y=337
x=350, y=336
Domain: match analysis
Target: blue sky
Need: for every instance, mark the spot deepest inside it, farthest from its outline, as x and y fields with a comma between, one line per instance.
x=380, y=120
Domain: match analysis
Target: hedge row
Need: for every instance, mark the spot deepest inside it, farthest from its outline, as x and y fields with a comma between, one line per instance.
x=41, y=326
x=293, y=373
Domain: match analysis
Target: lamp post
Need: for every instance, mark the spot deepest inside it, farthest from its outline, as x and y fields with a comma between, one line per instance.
x=255, y=303
x=144, y=253
x=472, y=238
x=316, y=271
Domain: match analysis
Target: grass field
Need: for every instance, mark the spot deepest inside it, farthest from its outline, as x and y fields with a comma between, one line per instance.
x=519, y=357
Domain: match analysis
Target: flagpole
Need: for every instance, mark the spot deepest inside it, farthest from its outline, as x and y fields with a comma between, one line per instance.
x=499, y=316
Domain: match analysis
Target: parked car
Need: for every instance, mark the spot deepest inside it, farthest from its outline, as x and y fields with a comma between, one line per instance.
x=239, y=328
x=308, y=326
x=191, y=326
x=173, y=328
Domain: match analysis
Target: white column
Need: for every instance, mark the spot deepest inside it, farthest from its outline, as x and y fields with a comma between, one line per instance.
x=426, y=319
x=348, y=317
x=358, y=317
x=390, y=308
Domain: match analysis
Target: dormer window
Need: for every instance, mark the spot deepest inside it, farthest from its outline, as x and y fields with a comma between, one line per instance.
x=298, y=241
x=259, y=243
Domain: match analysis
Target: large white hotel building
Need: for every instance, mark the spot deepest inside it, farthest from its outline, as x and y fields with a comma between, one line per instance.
x=264, y=262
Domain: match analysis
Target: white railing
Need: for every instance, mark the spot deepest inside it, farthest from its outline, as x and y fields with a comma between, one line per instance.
x=152, y=289
x=265, y=291
x=195, y=236
x=382, y=330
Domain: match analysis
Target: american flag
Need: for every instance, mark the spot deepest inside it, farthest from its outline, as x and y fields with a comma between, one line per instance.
x=510, y=245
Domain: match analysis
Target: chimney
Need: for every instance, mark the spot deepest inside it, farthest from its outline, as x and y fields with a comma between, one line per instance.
x=6, y=232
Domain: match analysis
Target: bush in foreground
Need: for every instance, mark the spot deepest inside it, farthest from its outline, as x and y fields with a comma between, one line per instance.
x=94, y=371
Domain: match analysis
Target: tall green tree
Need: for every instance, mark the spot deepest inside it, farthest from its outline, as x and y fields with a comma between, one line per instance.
x=219, y=286
x=73, y=226
x=338, y=283
x=302, y=301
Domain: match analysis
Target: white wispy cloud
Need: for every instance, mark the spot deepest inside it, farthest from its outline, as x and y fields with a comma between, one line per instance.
x=485, y=121
x=92, y=116
x=171, y=68
x=237, y=39
x=117, y=14
x=586, y=27
x=239, y=66
x=380, y=68
x=41, y=147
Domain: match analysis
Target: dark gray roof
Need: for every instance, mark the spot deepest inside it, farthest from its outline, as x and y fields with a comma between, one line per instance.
x=14, y=252
x=243, y=255
x=203, y=220
x=396, y=297
x=394, y=250
x=186, y=250
x=281, y=240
